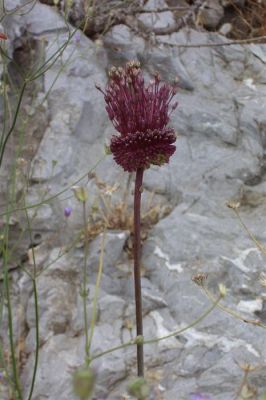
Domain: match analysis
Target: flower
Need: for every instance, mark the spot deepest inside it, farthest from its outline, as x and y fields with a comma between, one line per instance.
x=199, y=396
x=3, y=36
x=67, y=211
x=140, y=113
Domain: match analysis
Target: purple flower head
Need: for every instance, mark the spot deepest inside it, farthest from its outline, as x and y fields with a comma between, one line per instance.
x=67, y=211
x=140, y=113
x=199, y=396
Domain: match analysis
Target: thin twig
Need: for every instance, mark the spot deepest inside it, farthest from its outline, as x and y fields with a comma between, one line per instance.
x=158, y=339
x=231, y=312
x=96, y=294
x=250, y=234
x=36, y=310
x=232, y=43
x=2, y=150
x=84, y=290
x=159, y=10
x=10, y=318
x=243, y=383
x=54, y=196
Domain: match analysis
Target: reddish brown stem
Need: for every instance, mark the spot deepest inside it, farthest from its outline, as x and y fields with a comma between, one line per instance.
x=137, y=273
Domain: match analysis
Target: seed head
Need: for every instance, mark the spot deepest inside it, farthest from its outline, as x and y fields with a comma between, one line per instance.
x=199, y=279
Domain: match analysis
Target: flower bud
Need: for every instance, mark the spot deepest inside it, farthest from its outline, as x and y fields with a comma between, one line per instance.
x=139, y=388
x=83, y=382
x=222, y=289
x=139, y=339
x=80, y=193
x=3, y=36
x=67, y=211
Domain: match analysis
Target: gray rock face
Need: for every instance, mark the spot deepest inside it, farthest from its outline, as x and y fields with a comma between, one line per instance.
x=220, y=156
x=157, y=20
x=210, y=14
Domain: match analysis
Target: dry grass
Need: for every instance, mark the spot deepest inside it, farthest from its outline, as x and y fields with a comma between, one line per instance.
x=116, y=213
x=249, y=21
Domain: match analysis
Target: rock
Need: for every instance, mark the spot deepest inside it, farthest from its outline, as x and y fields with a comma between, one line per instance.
x=250, y=306
x=111, y=308
x=210, y=14
x=119, y=47
x=68, y=354
x=220, y=123
x=113, y=248
x=157, y=20
x=42, y=20
x=225, y=29
x=49, y=164
x=56, y=299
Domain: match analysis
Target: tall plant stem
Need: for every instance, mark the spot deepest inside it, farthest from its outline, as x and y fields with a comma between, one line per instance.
x=84, y=289
x=137, y=274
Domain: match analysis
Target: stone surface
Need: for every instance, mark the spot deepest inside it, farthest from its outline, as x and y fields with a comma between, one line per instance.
x=220, y=156
x=157, y=20
x=210, y=14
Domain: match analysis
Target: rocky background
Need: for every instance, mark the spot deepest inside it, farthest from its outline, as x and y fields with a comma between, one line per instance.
x=187, y=228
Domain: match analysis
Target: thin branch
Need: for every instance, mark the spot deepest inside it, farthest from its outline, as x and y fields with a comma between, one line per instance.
x=232, y=43
x=96, y=294
x=231, y=312
x=54, y=196
x=158, y=339
x=182, y=21
x=160, y=10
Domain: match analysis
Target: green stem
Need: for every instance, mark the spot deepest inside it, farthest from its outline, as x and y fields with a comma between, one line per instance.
x=3, y=146
x=137, y=268
x=10, y=329
x=232, y=312
x=96, y=293
x=155, y=340
x=37, y=335
x=54, y=196
x=84, y=283
x=36, y=310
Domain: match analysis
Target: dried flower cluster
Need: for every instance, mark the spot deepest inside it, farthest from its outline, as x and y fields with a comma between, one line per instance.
x=140, y=114
x=200, y=279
